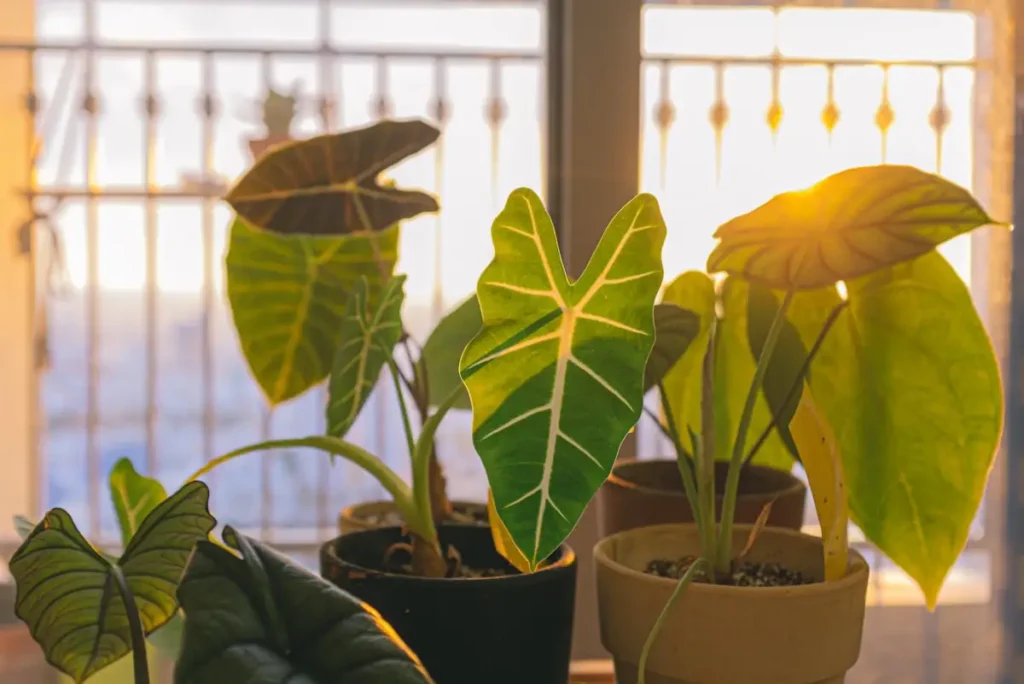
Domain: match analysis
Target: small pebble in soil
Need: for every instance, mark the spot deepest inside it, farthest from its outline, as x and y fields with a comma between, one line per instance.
x=748, y=574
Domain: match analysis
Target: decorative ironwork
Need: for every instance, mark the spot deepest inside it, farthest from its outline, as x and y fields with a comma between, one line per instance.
x=830, y=114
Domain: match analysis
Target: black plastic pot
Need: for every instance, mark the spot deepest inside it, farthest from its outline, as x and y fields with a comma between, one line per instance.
x=515, y=629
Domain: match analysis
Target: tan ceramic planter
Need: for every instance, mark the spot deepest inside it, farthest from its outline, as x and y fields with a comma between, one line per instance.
x=364, y=516
x=809, y=634
x=645, y=493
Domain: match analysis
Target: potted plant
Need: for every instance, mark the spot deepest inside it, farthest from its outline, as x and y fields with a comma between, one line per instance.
x=251, y=617
x=896, y=424
x=278, y=115
x=313, y=218
x=641, y=493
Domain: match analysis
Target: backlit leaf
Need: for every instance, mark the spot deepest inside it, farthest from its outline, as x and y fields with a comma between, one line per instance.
x=329, y=185
x=503, y=541
x=444, y=347
x=909, y=382
x=288, y=297
x=134, y=497
x=66, y=593
x=852, y=223
x=695, y=292
x=369, y=334
x=261, y=619
x=556, y=374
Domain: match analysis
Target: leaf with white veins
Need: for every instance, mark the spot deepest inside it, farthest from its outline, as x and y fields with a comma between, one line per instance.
x=556, y=374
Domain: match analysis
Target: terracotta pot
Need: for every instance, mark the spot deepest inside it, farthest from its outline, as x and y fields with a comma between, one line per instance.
x=645, y=493
x=808, y=634
x=513, y=629
x=367, y=516
x=259, y=146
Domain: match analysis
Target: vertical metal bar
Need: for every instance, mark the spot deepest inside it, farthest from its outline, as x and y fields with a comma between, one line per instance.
x=36, y=468
x=663, y=115
x=719, y=117
x=830, y=114
x=266, y=413
x=382, y=105
x=441, y=116
x=151, y=237
x=1012, y=604
x=884, y=117
x=939, y=117
x=495, y=116
x=554, y=82
x=325, y=76
x=208, y=391
x=90, y=106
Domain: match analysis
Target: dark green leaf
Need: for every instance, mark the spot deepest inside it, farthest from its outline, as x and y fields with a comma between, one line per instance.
x=369, y=335
x=784, y=368
x=675, y=329
x=288, y=297
x=66, y=594
x=852, y=223
x=260, y=619
x=329, y=185
x=134, y=496
x=443, y=350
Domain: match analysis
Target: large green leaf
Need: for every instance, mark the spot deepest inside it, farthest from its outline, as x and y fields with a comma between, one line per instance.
x=134, y=497
x=908, y=379
x=693, y=291
x=66, y=591
x=369, y=335
x=444, y=348
x=850, y=224
x=260, y=619
x=675, y=329
x=556, y=374
x=288, y=297
x=329, y=185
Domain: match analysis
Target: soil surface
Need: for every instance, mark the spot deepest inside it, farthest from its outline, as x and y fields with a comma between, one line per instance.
x=400, y=563
x=746, y=575
x=394, y=518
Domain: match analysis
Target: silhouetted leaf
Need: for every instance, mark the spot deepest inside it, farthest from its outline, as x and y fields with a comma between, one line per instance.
x=443, y=350
x=134, y=497
x=66, y=593
x=260, y=619
x=675, y=329
x=850, y=224
x=328, y=185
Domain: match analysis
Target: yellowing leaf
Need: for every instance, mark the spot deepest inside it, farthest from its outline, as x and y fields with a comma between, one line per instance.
x=820, y=457
x=503, y=540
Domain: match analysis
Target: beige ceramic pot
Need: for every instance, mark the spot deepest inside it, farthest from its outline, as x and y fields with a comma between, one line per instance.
x=376, y=514
x=807, y=634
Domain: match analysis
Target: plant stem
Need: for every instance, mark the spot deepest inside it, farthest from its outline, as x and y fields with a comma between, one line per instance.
x=732, y=480
x=799, y=380
x=682, y=461
x=684, y=582
x=706, y=457
x=140, y=661
x=400, y=394
x=423, y=457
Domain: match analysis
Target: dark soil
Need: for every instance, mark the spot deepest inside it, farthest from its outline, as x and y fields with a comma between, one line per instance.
x=400, y=563
x=746, y=575
x=394, y=519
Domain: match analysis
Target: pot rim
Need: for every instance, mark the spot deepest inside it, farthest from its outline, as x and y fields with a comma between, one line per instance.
x=565, y=563
x=858, y=566
x=794, y=487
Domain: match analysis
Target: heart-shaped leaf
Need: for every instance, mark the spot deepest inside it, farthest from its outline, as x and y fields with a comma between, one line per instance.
x=693, y=291
x=66, y=592
x=908, y=381
x=369, y=335
x=675, y=329
x=260, y=619
x=288, y=297
x=556, y=374
x=443, y=350
x=134, y=497
x=852, y=223
x=328, y=185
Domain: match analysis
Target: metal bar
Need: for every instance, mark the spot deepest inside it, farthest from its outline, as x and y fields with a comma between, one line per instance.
x=151, y=238
x=120, y=193
x=441, y=117
x=267, y=414
x=662, y=120
x=217, y=49
x=208, y=389
x=90, y=106
x=554, y=112
x=325, y=76
x=495, y=115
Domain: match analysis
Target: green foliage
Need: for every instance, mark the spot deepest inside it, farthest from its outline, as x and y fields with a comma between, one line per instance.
x=443, y=350
x=259, y=619
x=556, y=374
x=67, y=591
x=134, y=497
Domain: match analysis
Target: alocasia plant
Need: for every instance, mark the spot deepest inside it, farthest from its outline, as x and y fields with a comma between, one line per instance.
x=556, y=374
